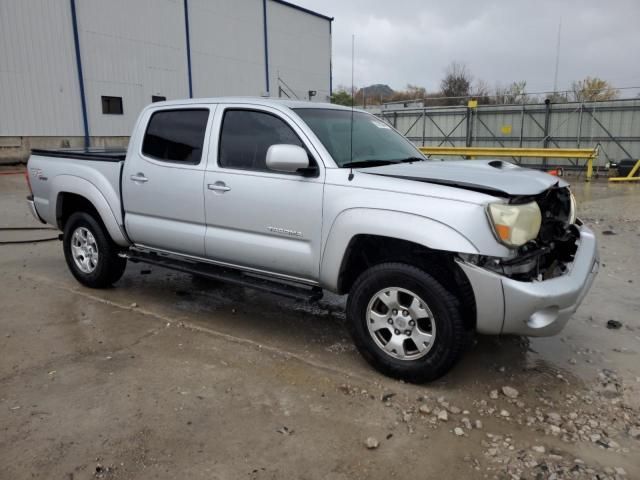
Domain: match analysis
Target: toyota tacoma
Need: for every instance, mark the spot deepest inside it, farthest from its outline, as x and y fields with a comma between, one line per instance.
x=297, y=197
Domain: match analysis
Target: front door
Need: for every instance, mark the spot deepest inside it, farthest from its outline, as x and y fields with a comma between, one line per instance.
x=257, y=218
x=162, y=182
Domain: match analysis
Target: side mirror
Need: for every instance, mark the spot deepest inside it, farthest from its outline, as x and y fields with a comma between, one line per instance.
x=287, y=158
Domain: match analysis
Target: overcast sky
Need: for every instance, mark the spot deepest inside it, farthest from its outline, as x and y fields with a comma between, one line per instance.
x=412, y=41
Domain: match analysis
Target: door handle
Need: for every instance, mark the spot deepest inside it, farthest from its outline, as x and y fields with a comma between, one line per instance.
x=218, y=187
x=139, y=177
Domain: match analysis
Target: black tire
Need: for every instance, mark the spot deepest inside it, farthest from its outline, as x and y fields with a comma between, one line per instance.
x=109, y=267
x=450, y=338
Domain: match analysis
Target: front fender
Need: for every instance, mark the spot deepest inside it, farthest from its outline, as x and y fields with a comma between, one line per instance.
x=84, y=188
x=386, y=223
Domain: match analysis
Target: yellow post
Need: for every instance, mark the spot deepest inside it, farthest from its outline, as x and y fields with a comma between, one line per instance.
x=592, y=157
x=589, y=169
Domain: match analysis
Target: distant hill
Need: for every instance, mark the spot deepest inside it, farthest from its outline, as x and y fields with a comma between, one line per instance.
x=377, y=91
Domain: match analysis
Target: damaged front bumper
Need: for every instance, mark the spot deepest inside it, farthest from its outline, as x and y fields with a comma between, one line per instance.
x=533, y=308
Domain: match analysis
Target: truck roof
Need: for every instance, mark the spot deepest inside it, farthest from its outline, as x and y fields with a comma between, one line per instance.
x=264, y=101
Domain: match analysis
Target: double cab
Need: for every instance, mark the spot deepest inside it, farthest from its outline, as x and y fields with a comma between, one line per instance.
x=298, y=198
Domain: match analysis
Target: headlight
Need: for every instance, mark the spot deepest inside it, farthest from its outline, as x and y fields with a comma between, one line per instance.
x=573, y=212
x=515, y=225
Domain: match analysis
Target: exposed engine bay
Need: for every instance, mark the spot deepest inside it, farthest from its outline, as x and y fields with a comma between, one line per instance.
x=548, y=255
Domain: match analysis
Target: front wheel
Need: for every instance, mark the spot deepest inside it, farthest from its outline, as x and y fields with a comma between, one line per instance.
x=405, y=323
x=90, y=253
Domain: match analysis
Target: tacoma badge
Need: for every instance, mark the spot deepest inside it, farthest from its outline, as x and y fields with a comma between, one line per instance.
x=285, y=231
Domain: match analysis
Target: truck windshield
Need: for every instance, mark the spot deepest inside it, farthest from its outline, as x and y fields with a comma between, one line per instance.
x=374, y=142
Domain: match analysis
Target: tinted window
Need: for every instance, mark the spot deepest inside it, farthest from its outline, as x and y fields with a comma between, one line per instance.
x=373, y=140
x=176, y=135
x=247, y=135
x=112, y=105
x=157, y=98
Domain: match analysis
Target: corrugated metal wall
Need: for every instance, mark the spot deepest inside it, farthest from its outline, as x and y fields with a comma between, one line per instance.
x=238, y=68
x=130, y=49
x=138, y=48
x=38, y=76
x=614, y=126
x=299, y=52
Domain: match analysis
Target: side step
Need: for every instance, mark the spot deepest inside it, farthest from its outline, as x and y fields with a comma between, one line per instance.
x=229, y=275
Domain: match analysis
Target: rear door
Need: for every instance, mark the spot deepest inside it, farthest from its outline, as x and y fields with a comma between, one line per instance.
x=162, y=183
x=257, y=218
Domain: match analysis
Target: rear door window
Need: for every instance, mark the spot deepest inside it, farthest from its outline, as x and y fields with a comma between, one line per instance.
x=176, y=135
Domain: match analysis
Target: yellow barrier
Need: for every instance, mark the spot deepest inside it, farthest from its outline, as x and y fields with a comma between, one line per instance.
x=631, y=177
x=585, y=153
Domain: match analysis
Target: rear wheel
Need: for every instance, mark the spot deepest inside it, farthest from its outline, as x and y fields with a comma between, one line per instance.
x=90, y=253
x=405, y=323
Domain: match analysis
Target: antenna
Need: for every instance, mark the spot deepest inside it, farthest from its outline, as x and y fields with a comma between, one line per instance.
x=555, y=75
x=353, y=42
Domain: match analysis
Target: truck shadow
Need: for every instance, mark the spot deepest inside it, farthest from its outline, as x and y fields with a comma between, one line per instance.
x=318, y=330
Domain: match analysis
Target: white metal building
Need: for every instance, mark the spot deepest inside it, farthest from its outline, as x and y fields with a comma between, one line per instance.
x=71, y=69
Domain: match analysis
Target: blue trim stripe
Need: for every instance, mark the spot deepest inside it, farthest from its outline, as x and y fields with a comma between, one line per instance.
x=186, y=30
x=330, y=59
x=266, y=43
x=83, y=101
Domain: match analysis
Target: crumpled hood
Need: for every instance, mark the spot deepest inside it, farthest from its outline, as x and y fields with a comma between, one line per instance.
x=490, y=176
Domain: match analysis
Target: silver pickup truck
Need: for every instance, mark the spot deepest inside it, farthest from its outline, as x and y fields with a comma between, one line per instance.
x=297, y=197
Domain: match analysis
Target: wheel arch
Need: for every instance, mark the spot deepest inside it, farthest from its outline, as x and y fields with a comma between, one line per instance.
x=361, y=239
x=352, y=224
x=76, y=194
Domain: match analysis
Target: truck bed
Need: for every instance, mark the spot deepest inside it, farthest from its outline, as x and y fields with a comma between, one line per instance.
x=94, y=154
x=93, y=173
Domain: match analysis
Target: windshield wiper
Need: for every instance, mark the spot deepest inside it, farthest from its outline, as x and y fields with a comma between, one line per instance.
x=379, y=163
x=412, y=159
x=368, y=163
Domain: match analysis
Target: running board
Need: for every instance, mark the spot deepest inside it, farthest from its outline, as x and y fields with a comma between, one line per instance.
x=228, y=275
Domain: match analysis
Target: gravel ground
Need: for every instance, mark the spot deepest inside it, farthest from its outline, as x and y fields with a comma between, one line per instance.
x=165, y=376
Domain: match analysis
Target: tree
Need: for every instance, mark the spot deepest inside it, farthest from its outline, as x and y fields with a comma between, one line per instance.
x=412, y=92
x=558, y=97
x=593, y=89
x=456, y=85
x=342, y=97
x=514, y=93
x=480, y=92
x=416, y=92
